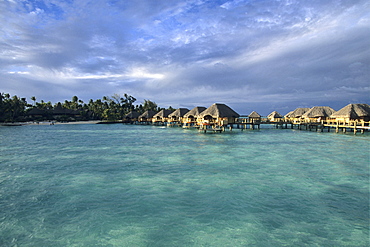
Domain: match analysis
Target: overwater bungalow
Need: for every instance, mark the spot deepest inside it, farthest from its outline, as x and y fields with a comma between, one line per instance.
x=177, y=116
x=296, y=115
x=352, y=112
x=275, y=117
x=254, y=117
x=190, y=118
x=287, y=116
x=217, y=115
x=162, y=116
x=318, y=114
x=131, y=117
x=146, y=117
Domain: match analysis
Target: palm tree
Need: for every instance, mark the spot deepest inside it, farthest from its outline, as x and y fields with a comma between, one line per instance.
x=33, y=98
x=150, y=105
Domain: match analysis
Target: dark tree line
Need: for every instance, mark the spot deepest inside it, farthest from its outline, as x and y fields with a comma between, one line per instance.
x=11, y=108
x=113, y=108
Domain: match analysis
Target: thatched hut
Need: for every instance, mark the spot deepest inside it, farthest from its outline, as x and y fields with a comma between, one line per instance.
x=274, y=116
x=161, y=116
x=190, y=118
x=37, y=114
x=147, y=116
x=318, y=113
x=360, y=112
x=177, y=115
x=296, y=115
x=254, y=117
x=64, y=114
x=287, y=116
x=131, y=116
x=218, y=114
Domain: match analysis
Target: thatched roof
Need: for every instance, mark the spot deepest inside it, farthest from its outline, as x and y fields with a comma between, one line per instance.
x=195, y=111
x=132, y=114
x=288, y=114
x=147, y=114
x=319, y=111
x=275, y=114
x=60, y=110
x=37, y=111
x=219, y=111
x=179, y=112
x=353, y=111
x=163, y=113
x=254, y=115
x=299, y=112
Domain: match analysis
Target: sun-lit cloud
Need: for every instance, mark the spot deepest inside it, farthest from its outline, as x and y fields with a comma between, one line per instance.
x=142, y=73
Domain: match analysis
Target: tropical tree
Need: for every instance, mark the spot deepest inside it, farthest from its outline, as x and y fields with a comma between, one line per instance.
x=109, y=108
x=12, y=108
x=44, y=105
x=74, y=99
x=149, y=105
x=33, y=98
x=118, y=106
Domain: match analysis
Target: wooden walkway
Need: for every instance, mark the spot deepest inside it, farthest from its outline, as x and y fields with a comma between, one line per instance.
x=243, y=124
x=328, y=125
x=353, y=126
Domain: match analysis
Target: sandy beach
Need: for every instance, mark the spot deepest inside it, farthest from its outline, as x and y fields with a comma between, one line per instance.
x=56, y=123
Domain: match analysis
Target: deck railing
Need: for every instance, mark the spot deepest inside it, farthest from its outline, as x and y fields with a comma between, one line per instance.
x=348, y=123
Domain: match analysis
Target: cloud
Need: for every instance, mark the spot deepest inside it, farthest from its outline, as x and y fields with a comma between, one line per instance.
x=262, y=54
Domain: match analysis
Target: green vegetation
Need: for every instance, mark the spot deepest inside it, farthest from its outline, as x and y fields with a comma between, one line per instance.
x=113, y=108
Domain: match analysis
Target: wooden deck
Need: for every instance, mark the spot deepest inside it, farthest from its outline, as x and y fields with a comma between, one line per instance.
x=339, y=126
x=243, y=124
x=354, y=126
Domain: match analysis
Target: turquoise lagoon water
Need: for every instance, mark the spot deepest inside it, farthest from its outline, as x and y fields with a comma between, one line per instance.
x=124, y=185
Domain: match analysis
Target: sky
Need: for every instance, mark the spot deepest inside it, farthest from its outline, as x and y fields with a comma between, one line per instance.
x=253, y=55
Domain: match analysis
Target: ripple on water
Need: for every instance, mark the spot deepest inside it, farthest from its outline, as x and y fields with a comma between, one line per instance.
x=123, y=185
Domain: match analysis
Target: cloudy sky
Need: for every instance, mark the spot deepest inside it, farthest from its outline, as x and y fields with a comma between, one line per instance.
x=261, y=55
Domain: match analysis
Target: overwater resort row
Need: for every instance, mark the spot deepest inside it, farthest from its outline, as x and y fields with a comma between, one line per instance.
x=218, y=117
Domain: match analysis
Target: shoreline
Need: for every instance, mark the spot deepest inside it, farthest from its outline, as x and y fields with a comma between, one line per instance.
x=49, y=123
x=58, y=123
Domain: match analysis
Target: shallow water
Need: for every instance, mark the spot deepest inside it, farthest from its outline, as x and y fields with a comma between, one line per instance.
x=127, y=185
